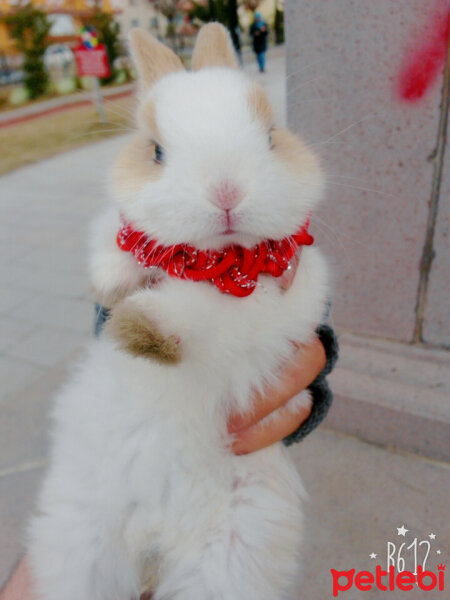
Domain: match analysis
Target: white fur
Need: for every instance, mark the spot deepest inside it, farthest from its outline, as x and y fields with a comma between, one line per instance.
x=110, y=268
x=141, y=479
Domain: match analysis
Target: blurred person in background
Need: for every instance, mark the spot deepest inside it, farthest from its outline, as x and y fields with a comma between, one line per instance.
x=259, y=32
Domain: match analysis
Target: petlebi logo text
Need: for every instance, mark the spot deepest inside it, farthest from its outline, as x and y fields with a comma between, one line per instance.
x=408, y=565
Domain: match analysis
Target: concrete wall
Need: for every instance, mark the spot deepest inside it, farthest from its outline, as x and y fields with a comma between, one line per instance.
x=436, y=326
x=346, y=61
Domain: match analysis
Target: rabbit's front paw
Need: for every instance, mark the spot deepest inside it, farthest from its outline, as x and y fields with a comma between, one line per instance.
x=139, y=334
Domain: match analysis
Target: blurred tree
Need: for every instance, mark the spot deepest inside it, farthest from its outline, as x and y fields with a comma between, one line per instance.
x=108, y=34
x=224, y=11
x=213, y=10
x=29, y=27
x=169, y=9
x=278, y=22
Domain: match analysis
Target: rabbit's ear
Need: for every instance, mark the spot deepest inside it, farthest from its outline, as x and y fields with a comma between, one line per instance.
x=213, y=48
x=153, y=60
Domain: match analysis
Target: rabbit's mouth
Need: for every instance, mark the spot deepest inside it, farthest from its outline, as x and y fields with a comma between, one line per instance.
x=228, y=231
x=228, y=221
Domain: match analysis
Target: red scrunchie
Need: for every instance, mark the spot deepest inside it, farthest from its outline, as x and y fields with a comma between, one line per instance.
x=234, y=270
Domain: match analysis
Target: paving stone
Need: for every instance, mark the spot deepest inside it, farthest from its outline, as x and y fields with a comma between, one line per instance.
x=14, y=374
x=46, y=347
x=12, y=298
x=358, y=495
x=24, y=417
x=58, y=256
x=12, y=330
x=40, y=279
x=57, y=312
x=17, y=498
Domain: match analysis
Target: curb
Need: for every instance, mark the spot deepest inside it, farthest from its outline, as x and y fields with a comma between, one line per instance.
x=65, y=105
x=392, y=394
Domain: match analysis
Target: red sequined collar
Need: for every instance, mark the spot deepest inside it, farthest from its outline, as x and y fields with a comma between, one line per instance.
x=234, y=270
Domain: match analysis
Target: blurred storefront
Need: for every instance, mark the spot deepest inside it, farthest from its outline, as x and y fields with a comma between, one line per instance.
x=67, y=16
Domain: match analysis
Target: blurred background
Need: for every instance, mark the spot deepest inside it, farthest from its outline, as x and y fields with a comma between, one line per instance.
x=367, y=84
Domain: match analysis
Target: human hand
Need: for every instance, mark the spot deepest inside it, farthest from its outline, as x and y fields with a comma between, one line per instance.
x=248, y=434
x=20, y=585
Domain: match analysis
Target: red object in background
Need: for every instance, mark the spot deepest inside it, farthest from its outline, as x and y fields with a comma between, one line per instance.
x=92, y=62
x=422, y=68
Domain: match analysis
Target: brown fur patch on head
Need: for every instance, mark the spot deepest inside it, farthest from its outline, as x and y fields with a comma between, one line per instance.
x=260, y=106
x=135, y=166
x=299, y=159
x=139, y=336
x=153, y=60
x=213, y=48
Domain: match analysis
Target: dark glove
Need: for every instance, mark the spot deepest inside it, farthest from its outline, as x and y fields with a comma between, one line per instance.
x=322, y=396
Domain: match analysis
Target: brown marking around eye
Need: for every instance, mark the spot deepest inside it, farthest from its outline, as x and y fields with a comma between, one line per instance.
x=294, y=153
x=135, y=166
x=260, y=106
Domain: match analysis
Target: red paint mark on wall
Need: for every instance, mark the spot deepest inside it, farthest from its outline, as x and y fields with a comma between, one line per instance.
x=423, y=64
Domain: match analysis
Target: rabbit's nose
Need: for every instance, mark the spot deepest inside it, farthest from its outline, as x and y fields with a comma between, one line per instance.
x=226, y=195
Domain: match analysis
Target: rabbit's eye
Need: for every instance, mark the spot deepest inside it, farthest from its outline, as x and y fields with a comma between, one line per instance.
x=269, y=135
x=159, y=154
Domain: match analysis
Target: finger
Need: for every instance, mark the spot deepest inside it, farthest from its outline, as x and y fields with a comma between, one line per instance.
x=277, y=427
x=21, y=585
x=307, y=363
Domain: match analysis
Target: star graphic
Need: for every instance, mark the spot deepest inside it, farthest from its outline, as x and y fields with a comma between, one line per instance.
x=373, y=555
x=432, y=536
x=438, y=551
x=402, y=531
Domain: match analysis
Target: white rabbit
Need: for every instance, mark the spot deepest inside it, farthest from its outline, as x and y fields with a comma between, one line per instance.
x=143, y=490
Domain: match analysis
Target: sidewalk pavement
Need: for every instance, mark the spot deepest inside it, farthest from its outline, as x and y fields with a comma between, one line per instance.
x=358, y=493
